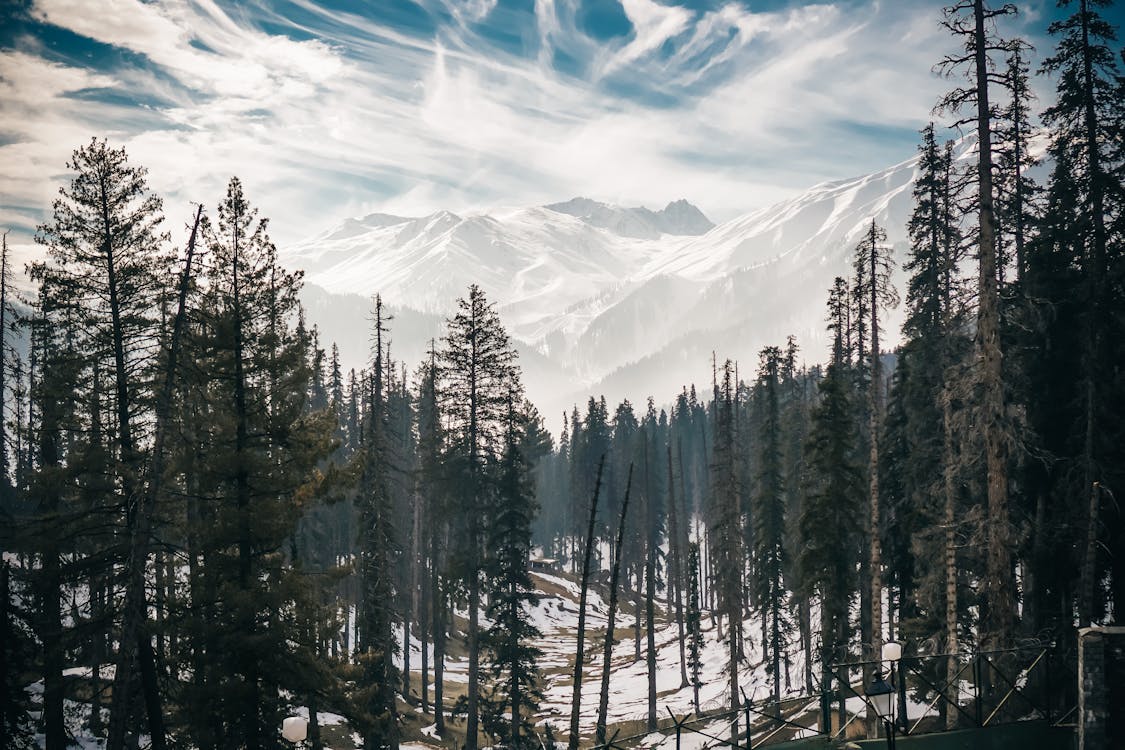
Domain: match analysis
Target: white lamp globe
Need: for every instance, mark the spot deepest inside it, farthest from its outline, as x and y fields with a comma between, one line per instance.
x=892, y=651
x=294, y=728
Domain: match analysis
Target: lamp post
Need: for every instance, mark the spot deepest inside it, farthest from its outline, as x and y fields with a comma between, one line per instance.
x=892, y=652
x=881, y=695
x=295, y=729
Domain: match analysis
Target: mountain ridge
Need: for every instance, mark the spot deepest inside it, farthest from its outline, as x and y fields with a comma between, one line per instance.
x=620, y=314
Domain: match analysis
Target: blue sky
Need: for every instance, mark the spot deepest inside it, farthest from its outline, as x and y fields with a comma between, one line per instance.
x=339, y=108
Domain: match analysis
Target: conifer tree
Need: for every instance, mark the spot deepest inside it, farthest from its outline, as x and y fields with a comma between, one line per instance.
x=1086, y=124
x=512, y=655
x=478, y=367
x=971, y=22
x=103, y=242
x=51, y=493
x=874, y=262
x=929, y=391
x=579, y=649
x=378, y=543
x=829, y=525
x=770, y=559
x=725, y=530
x=260, y=454
x=695, y=633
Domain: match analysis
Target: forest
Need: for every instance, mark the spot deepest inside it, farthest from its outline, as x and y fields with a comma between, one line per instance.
x=207, y=523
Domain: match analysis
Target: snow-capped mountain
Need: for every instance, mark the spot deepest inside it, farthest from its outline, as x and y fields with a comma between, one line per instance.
x=678, y=217
x=625, y=302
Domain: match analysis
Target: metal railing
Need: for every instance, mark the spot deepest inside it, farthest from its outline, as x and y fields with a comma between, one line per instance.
x=988, y=688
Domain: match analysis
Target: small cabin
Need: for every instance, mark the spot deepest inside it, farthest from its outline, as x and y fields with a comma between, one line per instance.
x=544, y=564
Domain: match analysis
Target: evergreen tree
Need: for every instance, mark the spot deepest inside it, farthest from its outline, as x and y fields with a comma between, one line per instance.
x=509, y=639
x=971, y=21
x=259, y=453
x=1086, y=127
x=725, y=529
x=830, y=528
x=611, y=618
x=478, y=367
x=874, y=263
x=695, y=633
x=770, y=554
x=104, y=245
x=378, y=543
x=929, y=393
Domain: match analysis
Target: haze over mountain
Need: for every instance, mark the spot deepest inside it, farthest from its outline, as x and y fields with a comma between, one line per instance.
x=601, y=299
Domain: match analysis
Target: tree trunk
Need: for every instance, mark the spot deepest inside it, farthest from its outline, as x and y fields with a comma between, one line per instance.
x=576, y=695
x=949, y=491
x=607, y=650
x=439, y=654
x=675, y=577
x=998, y=586
x=650, y=590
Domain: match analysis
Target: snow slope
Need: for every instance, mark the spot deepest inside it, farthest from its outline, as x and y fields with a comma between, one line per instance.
x=622, y=301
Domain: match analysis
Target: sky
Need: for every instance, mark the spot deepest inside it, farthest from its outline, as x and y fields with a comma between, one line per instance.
x=328, y=109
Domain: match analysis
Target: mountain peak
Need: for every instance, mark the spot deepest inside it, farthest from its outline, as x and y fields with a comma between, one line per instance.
x=678, y=218
x=683, y=217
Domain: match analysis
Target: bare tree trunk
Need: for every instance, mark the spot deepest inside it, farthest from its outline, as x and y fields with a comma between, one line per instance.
x=439, y=654
x=638, y=578
x=650, y=590
x=949, y=491
x=675, y=577
x=607, y=650
x=998, y=586
x=576, y=695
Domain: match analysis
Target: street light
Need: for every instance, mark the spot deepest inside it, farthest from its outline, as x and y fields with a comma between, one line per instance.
x=892, y=652
x=295, y=729
x=881, y=695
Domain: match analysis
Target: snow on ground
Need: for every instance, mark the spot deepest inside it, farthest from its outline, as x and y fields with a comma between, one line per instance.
x=557, y=619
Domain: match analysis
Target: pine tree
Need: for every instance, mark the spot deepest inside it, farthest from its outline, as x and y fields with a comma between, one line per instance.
x=725, y=529
x=378, y=543
x=874, y=262
x=1015, y=190
x=928, y=392
x=970, y=21
x=695, y=634
x=830, y=529
x=770, y=559
x=1085, y=123
x=431, y=488
x=512, y=656
x=56, y=363
x=478, y=367
x=259, y=453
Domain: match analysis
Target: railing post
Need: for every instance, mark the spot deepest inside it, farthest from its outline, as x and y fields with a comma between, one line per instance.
x=826, y=703
x=746, y=713
x=900, y=668
x=977, y=671
x=1048, y=698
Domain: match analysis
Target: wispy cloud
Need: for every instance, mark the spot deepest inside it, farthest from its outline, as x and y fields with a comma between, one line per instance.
x=327, y=113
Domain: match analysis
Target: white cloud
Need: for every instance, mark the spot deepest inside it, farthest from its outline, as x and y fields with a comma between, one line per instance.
x=653, y=25
x=364, y=116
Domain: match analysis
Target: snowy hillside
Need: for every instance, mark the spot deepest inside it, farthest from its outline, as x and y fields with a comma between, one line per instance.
x=619, y=301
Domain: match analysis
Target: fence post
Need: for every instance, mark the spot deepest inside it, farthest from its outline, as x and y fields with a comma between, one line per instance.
x=746, y=715
x=1049, y=697
x=977, y=671
x=826, y=702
